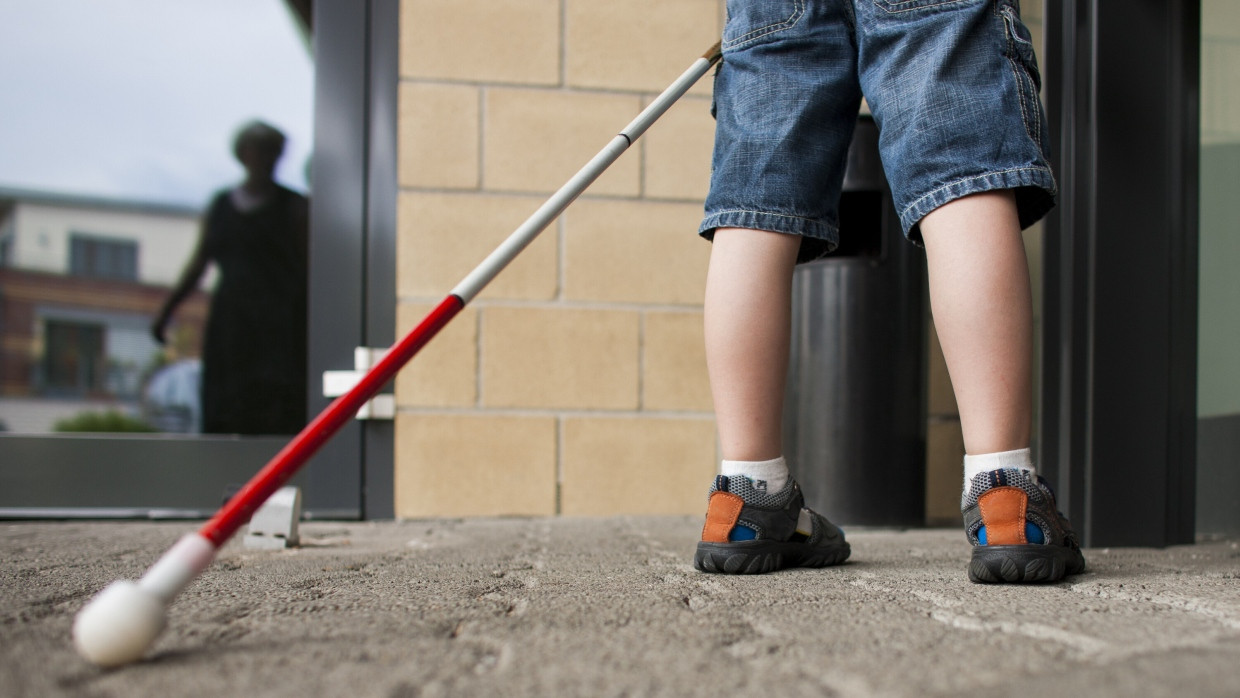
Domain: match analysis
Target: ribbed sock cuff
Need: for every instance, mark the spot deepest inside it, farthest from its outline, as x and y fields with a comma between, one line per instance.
x=773, y=472
x=1020, y=459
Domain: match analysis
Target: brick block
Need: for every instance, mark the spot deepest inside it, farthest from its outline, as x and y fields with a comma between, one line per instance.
x=559, y=358
x=674, y=363
x=439, y=136
x=634, y=252
x=678, y=150
x=634, y=465
x=460, y=465
x=442, y=237
x=504, y=41
x=535, y=140
x=444, y=373
x=638, y=45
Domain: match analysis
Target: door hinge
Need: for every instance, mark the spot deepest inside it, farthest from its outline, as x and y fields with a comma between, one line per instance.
x=337, y=383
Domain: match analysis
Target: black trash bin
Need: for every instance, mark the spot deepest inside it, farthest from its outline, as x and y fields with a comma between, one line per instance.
x=855, y=420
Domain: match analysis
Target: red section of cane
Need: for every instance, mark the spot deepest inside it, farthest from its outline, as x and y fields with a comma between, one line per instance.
x=289, y=460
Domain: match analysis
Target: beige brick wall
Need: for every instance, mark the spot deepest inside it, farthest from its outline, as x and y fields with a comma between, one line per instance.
x=577, y=377
x=575, y=383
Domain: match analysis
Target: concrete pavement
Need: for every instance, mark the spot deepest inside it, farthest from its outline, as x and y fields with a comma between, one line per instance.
x=613, y=607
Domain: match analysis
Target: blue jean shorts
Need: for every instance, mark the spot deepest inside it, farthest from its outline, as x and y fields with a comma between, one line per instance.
x=952, y=84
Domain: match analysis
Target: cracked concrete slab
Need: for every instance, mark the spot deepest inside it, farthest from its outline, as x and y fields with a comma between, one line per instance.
x=613, y=607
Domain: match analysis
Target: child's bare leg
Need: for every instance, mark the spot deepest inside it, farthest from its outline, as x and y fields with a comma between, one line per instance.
x=983, y=313
x=756, y=519
x=747, y=322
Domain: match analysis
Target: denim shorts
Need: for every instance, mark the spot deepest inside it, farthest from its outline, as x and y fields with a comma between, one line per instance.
x=952, y=84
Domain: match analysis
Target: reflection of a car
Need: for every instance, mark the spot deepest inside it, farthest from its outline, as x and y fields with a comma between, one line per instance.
x=171, y=401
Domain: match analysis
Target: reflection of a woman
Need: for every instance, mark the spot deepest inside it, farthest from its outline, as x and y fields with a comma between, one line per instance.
x=254, y=351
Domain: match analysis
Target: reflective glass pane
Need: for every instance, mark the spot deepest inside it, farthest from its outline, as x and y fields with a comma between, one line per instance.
x=1218, y=384
x=148, y=146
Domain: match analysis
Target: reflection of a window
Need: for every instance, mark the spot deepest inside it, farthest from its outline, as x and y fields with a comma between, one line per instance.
x=6, y=247
x=103, y=258
x=73, y=359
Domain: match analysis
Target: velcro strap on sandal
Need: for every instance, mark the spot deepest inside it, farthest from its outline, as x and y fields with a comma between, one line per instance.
x=721, y=516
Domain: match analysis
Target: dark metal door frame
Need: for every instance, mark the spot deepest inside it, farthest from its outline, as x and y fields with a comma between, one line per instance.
x=378, y=447
x=353, y=240
x=1119, y=393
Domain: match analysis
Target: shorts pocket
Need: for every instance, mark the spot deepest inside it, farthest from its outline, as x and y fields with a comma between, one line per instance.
x=758, y=21
x=894, y=6
x=1024, y=64
x=1021, y=43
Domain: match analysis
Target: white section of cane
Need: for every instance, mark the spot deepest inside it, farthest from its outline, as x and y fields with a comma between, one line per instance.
x=122, y=621
x=472, y=285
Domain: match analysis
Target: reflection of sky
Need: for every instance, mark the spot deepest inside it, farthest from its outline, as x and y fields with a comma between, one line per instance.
x=138, y=99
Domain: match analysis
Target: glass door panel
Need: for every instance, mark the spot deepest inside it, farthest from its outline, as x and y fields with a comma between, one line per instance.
x=148, y=147
x=1218, y=384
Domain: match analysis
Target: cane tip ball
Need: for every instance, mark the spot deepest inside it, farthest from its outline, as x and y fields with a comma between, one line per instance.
x=118, y=625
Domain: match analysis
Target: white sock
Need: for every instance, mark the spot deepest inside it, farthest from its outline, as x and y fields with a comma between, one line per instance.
x=773, y=472
x=1021, y=459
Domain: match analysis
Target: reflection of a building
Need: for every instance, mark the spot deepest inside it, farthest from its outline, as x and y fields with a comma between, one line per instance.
x=80, y=279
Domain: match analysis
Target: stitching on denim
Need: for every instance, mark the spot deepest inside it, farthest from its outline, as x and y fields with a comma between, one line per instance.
x=894, y=7
x=1023, y=81
x=850, y=12
x=1034, y=110
x=762, y=213
x=798, y=11
x=957, y=182
x=1010, y=16
x=1020, y=95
